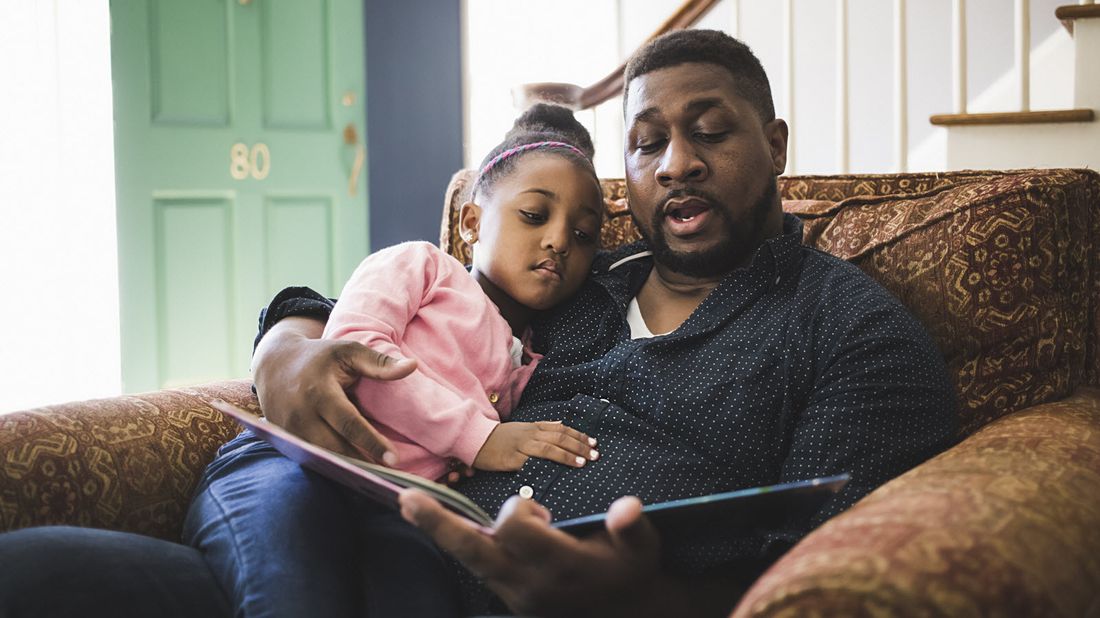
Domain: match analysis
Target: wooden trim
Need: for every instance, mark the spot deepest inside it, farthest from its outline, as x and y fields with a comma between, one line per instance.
x=1060, y=115
x=577, y=97
x=1077, y=11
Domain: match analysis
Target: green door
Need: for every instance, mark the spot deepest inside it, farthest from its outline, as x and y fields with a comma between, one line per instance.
x=239, y=169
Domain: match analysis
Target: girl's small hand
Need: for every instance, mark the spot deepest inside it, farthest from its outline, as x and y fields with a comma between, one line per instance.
x=510, y=444
x=458, y=471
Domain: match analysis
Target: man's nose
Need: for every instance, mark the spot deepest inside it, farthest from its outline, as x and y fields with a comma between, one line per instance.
x=680, y=163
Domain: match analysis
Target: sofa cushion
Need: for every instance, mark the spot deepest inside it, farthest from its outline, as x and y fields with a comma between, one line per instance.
x=996, y=267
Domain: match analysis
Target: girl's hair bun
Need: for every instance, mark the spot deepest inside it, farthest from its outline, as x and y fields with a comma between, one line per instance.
x=542, y=128
x=548, y=119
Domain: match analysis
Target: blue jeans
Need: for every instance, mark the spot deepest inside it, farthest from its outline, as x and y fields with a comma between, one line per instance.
x=60, y=572
x=284, y=541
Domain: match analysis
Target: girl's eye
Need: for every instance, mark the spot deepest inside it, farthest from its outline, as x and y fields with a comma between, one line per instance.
x=533, y=216
x=584, y=236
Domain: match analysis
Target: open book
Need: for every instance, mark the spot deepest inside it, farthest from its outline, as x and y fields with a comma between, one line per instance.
x=378, y=482
x=759, y=508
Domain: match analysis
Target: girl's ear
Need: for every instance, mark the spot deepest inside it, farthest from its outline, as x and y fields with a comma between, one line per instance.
x=469, y=221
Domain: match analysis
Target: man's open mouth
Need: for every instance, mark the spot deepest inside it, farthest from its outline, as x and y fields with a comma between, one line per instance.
x=686, y=217
x=685, y=209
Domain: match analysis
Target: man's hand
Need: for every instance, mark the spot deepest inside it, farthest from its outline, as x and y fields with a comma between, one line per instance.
x=538, y=570
x=302, y=383
x=510, y=444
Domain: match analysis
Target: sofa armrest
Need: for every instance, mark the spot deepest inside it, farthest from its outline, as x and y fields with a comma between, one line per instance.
x=127, y=463
x=1004, y=523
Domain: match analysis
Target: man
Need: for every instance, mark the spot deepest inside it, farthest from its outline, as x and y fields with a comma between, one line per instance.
x=717, y=354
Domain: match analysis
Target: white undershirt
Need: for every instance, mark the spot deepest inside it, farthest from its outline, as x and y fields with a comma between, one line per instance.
x=638, y=328
x=516, y=352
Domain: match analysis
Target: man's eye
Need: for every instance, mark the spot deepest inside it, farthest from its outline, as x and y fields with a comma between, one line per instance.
x=649, y=147
x=533, y=216
x=716, y=136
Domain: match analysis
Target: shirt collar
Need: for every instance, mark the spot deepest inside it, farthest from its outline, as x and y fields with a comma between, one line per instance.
x=776, y=258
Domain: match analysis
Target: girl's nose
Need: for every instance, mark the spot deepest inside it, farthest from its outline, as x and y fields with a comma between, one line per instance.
x=556, y=240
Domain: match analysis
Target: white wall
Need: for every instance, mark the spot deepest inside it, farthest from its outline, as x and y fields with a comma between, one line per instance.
x=58, y=258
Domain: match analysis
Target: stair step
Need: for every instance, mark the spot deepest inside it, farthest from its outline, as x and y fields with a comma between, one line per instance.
x=1037, y=117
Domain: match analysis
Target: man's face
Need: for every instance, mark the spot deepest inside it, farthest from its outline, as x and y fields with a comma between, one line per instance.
x=701, y=169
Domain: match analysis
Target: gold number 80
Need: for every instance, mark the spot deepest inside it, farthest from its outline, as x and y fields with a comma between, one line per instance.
x=244, y=162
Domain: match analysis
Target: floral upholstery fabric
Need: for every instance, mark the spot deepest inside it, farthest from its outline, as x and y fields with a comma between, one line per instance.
x=1003, y=524
x=129, y=463
x=997, y=268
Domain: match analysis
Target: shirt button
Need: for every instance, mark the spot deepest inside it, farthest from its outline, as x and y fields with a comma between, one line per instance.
x=526, y=492
x=494, y=397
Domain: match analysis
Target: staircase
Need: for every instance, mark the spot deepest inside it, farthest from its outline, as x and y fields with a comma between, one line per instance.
x=1049, y=138
x=1053, y=119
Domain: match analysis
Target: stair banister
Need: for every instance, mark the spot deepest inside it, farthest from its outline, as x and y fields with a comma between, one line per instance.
x=577, y=97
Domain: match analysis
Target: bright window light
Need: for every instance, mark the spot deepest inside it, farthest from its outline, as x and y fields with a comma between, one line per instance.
x=58, y=256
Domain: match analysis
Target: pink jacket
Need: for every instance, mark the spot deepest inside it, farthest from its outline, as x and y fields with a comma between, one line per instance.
x=413, y=300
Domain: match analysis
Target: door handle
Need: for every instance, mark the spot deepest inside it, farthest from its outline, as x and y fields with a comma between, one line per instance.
x=351, y=138
x=356, y=169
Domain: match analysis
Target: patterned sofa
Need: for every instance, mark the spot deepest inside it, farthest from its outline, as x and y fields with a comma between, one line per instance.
x=1002, y=269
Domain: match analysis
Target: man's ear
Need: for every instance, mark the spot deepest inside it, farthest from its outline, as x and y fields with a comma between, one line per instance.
x=776, y=133
x=469, y=222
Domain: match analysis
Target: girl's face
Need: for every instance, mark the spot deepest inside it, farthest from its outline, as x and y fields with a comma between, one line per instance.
x=536, y=232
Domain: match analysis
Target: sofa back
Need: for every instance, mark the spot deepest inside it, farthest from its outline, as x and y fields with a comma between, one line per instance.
x=999, y=267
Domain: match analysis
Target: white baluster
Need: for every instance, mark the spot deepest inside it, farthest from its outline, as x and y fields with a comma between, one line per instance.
x=736, y=10
x=958, y=27
x=788, y=80
x=1023, y=52
x=901, y=89
x=842, y=146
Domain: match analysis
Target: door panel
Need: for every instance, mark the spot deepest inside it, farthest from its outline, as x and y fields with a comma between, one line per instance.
x=295, y=39
x=194, y=260
x=189, y=65
x=299, y=222
x=232, y=172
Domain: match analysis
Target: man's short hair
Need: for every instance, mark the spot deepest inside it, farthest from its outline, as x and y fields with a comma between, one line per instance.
x=712, y=47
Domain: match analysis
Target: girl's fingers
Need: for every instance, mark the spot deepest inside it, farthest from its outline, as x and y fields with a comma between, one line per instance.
x=567, y=430
x=579, y=448
x=553, y=452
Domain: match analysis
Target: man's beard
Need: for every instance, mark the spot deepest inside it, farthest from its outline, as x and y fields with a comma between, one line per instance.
x=739, y=240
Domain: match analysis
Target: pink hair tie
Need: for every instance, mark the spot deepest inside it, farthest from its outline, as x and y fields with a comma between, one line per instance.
x=524, y=148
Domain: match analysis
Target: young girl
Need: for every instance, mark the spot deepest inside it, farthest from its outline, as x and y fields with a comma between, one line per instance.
x=533, y=223
x=282, y=541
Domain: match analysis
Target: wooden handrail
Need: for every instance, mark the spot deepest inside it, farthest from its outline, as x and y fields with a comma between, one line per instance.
x=1068, y=14
x=1035, y=117
x=1077, y=11
x=577, y=97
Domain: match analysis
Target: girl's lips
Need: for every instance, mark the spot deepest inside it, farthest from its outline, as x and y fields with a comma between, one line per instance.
x=549, y=268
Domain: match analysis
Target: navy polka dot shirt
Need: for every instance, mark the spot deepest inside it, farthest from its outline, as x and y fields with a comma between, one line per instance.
x=795, y=367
